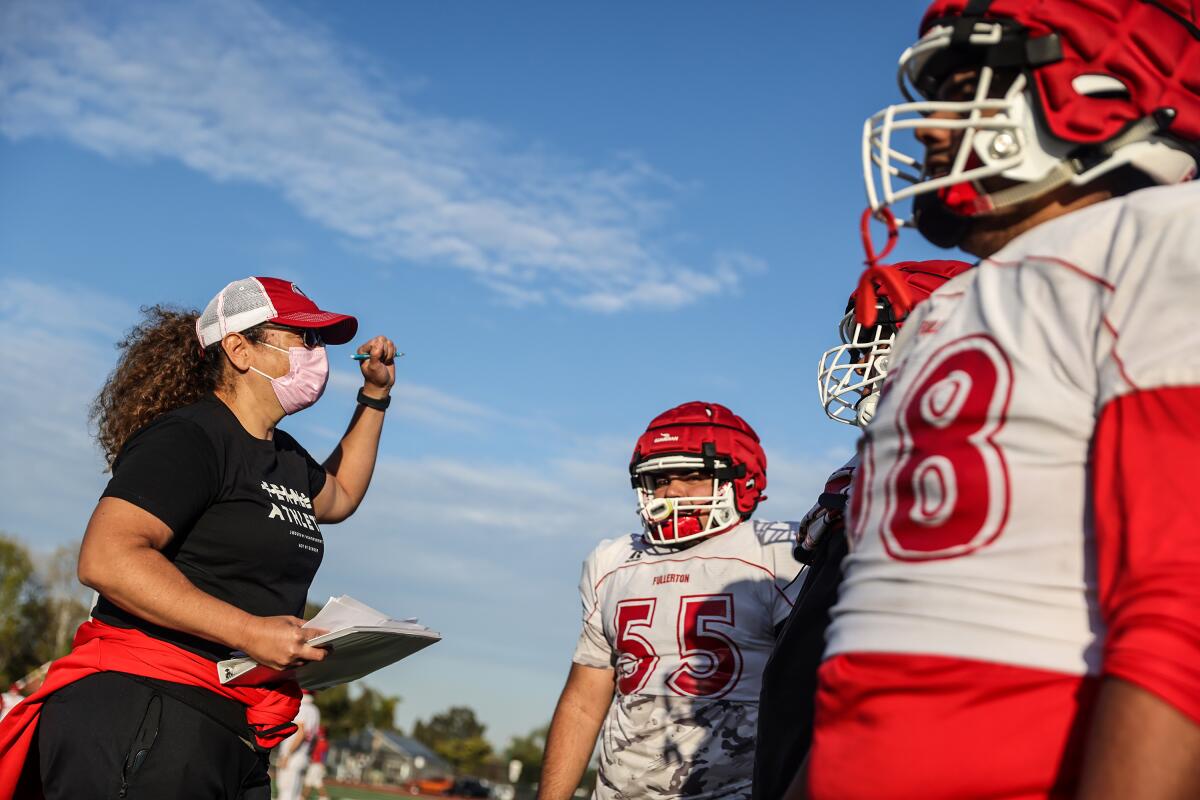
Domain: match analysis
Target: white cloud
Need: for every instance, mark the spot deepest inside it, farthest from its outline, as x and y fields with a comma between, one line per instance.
x=236, y=93
x=74, y=309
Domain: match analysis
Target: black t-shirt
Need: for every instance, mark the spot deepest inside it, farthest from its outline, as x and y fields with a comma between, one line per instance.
x=240, y=509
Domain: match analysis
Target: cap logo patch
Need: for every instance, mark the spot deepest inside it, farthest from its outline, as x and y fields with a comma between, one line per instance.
x=666, y=437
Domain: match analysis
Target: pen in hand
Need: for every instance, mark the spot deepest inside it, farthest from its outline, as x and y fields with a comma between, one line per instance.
x=365, y=356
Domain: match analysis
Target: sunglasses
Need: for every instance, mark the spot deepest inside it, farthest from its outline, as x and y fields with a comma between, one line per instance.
x=310, y=336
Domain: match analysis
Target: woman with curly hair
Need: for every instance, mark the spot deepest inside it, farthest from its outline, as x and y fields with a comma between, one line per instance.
x=204, y=543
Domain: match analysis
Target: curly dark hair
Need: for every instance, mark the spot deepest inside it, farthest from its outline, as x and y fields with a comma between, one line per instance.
x=161, y=368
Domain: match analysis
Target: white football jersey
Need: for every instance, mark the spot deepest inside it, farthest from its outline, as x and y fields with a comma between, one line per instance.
x=688, y=630
x=970, y=519
x=309, y=717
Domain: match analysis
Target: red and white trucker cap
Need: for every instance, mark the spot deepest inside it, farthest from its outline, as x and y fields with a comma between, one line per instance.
x=252, y=301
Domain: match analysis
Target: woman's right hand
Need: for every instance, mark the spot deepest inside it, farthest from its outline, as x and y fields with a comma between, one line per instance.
x=280, y=642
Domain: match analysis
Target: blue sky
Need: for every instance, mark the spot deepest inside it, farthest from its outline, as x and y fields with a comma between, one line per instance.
x=570, y=216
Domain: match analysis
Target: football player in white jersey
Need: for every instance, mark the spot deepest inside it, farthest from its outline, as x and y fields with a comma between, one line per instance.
x=678, y=621
x=1020, y=615
x=849, y=376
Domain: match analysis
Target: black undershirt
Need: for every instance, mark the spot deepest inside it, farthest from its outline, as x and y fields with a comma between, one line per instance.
x=787, y=703
x=239, y=508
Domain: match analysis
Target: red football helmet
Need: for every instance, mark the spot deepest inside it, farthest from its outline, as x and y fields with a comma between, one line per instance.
x=706, y=438
x=1067, y=91
x=849, y=375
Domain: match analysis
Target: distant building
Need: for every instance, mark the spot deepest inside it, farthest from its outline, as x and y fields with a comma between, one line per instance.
x=383, y=757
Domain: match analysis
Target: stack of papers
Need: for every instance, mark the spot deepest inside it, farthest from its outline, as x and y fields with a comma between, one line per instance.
x=361, y=639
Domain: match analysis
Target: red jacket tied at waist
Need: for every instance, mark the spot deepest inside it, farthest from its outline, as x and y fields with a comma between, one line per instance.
x=98, y=647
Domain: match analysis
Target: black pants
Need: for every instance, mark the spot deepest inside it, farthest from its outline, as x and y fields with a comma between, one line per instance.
x=112, y=736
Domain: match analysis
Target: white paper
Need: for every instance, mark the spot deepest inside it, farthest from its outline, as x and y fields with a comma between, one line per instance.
x=346, y=612
x=362, y=638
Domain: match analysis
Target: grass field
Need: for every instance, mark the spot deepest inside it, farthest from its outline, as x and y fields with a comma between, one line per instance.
x=346, y=793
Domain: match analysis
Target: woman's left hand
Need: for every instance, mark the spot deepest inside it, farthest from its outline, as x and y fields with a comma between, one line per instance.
x=379, y=371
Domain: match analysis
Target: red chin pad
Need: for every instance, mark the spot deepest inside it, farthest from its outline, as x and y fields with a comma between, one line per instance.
x=688, y=526
x=964, y=199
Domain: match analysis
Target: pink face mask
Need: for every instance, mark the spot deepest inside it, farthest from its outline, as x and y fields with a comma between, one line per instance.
x=305, y=380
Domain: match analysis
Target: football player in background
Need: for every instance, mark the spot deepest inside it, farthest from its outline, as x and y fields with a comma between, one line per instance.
x=1020, y=616
x=678, y=621
x=296, y=751
x=314, y=776
x=849, y=376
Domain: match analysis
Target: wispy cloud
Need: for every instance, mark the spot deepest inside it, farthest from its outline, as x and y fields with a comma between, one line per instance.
x=523, y=502
x=427, y=405
x=58, y=345
x=237, y=93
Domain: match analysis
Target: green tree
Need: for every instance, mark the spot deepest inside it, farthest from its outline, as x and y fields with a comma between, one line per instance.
x=41, y=605
x=334, y=704
x=529, y=751
x=24, y=614
x=374, y=709
x=345, y=712
x=457, y=736
x=67, y=599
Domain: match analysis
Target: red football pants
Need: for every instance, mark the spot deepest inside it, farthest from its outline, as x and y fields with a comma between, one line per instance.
x=930, y=727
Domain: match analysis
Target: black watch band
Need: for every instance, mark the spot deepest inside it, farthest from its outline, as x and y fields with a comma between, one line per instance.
x=377, y=403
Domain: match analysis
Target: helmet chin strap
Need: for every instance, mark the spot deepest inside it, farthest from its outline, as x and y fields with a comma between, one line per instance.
x=944, y=217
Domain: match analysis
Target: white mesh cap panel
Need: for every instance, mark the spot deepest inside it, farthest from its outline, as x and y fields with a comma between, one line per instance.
x=240, y=305
x=208, y=328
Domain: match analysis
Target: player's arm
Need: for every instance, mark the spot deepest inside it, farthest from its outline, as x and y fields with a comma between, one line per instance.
x=1140, y=746
x=292, y=745
x=577, y=718
x=798, y=788
x=1144, y=738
